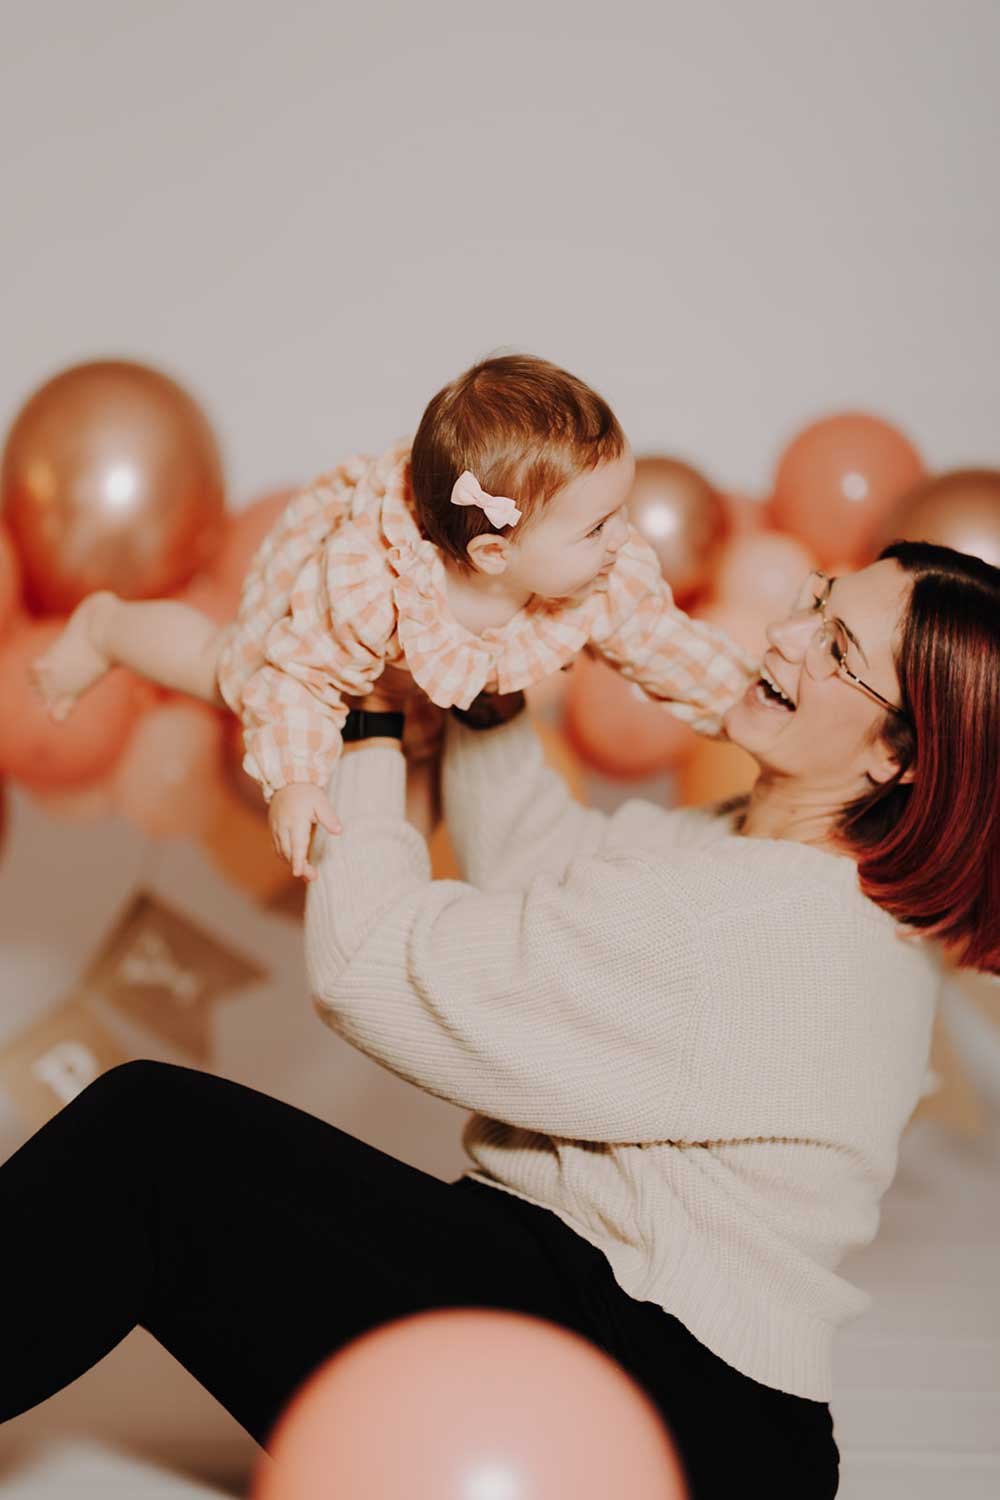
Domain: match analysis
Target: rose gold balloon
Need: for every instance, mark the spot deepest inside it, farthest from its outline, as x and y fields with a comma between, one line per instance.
x=111, y=479
x=616, y=728
x=960, y=509
x=471, y=1403
x=838, y=480
x=682, y=518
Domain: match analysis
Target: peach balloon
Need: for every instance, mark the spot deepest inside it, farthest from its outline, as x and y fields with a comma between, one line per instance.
x=111, y=479
x=10, y=580
x=761, y=573
x=679, y=514
x=616, y=728
x=959, y=509
x=470, y=1403
x=838, y=480
x=715, y=770
x=166, y=782
x=744, y=513
x=39, y=752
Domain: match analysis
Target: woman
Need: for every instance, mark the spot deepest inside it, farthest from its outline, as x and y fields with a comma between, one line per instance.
x=691, y=1041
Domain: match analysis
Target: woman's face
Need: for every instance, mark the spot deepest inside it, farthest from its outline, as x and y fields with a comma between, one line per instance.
x=825, y=739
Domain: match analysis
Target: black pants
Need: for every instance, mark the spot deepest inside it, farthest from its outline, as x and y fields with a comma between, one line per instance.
x=252, y=1240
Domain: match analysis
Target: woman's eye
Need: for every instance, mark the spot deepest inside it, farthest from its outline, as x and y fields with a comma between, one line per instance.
x=597, y=529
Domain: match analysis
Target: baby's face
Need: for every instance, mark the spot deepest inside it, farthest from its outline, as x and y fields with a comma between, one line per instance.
x=577, y=536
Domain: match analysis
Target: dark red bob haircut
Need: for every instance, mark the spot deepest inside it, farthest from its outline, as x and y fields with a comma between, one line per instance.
x=929, y=849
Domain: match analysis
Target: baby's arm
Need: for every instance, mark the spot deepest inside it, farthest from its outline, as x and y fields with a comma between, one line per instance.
x=695, y=668
x=293, y=708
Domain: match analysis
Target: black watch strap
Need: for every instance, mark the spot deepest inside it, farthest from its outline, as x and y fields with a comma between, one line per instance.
x=361, y=724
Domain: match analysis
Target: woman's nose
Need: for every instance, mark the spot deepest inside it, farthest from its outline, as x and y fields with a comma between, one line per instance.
x=791, y=636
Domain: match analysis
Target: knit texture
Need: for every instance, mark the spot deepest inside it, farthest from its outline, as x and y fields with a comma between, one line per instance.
x=699, y=1050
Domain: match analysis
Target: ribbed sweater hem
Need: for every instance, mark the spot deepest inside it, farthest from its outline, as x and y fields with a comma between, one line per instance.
x=766, y=1340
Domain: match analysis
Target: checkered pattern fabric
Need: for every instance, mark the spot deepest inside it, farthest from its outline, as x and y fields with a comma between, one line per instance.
x=345, y=584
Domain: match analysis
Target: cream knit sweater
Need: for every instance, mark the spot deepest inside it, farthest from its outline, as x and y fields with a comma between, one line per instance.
x=699, y=1050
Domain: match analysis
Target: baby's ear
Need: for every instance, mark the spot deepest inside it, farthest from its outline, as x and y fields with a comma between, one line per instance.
x=488, y=553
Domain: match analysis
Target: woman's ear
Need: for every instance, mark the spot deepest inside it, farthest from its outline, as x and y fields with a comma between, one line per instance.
x=488, y=552
x=883, y=766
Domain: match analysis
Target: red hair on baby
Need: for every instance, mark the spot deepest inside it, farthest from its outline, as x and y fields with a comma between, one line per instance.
x=522, y=426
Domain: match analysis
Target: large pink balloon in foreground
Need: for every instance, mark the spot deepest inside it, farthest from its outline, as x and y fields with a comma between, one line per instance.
x=111, y=479
x=471, y=1405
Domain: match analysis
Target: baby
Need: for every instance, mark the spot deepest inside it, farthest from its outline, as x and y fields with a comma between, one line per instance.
x=482, y=555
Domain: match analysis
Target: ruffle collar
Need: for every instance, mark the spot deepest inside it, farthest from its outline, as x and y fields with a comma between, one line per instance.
x=449, y=662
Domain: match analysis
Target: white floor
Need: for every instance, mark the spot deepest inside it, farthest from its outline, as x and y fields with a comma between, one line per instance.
x=917, y=1409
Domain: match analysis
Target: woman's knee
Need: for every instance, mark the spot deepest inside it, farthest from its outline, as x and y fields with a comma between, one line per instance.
x=130, y=1087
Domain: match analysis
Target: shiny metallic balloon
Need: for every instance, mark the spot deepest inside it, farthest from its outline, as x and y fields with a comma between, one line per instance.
x=111, y=478
x=680, y=515
x=959, y=509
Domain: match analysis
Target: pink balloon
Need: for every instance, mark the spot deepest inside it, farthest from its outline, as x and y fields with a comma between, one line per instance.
x=471, y=1403
x=616, y=728
x=166, y=782
x=39, y=752
x=746, y=627
x=762, y=572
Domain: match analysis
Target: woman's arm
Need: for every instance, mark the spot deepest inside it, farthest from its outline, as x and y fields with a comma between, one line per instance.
x=510, y=816
x=545, y=1006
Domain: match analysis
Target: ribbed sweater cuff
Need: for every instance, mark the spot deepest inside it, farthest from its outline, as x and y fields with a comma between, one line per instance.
x=370, y=780
x=499, y=752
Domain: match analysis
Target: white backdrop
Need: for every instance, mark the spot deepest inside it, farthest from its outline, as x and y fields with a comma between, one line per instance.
x=729, y=218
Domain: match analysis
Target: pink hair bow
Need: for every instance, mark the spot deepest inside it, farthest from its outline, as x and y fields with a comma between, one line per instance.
x=500, y=509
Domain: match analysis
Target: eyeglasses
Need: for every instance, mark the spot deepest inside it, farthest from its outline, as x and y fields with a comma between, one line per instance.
x=827, y=650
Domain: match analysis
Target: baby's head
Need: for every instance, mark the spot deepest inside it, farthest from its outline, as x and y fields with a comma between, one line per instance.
x=526, y=430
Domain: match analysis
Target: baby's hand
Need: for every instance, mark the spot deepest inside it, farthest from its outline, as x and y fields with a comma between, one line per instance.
x=292, y=812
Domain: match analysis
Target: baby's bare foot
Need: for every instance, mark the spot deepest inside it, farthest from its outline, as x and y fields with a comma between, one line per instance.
x=78, y=658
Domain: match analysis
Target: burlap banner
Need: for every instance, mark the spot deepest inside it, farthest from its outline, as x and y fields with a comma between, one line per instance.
x=162, y=971
x=46, y=1066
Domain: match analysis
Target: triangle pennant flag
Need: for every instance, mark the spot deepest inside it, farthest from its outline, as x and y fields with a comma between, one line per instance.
x=49, y=1064
x=160, y=969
